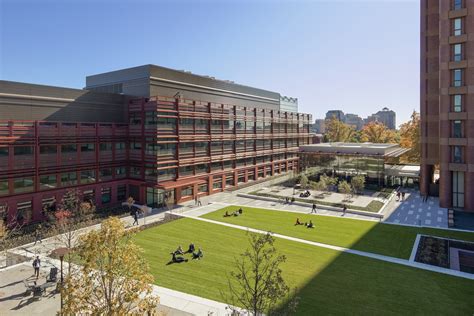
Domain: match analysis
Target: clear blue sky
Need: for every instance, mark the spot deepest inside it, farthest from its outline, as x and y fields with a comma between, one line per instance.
x=358, y=56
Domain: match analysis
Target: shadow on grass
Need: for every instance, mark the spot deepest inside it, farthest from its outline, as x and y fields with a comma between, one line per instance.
x=328, y=282
x=352, y=284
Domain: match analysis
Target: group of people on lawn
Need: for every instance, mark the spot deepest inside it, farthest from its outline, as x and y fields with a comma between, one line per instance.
x=236, y=213
x=178, y=253
x=306, y=224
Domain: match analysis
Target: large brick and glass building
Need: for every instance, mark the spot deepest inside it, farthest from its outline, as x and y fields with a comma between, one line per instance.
x=447, y=102
x=148, y=132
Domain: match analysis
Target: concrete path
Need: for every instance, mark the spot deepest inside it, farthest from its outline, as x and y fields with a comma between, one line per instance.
x=203, y=210
x=413, y=211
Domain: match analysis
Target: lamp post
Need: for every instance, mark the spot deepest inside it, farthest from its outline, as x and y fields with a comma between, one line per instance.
x=61, y=252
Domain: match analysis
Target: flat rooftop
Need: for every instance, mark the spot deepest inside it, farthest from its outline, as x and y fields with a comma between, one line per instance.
x=378, y=149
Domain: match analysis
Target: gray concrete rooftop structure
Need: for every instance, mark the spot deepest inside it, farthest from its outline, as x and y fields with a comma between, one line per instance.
x=152, y=80
x=372, y=149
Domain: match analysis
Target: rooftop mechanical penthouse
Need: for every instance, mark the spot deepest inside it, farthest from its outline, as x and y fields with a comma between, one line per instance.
x=156, y=134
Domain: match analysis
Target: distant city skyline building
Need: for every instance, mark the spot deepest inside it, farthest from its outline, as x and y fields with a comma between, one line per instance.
x=354, y=120
x=319, y=126
x=335, y=113
x=385, y=116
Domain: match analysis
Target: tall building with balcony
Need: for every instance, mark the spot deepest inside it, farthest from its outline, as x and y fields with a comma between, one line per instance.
x=386, y=116
x=156, y=134
x=447, y=102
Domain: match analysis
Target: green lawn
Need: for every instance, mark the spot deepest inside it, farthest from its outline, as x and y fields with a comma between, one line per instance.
x=329, y=282
x=385, y=239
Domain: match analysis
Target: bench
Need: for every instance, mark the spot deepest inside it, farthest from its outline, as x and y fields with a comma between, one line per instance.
x=30, y=287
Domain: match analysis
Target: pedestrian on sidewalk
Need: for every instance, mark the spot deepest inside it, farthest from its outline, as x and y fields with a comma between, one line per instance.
x=344, y=209
x=36, y=266
x=199, y=202
x=314, y=208
x=196, y=201
x=38, y=237
x=398, y=196
x=403, y=196
x=135, y=217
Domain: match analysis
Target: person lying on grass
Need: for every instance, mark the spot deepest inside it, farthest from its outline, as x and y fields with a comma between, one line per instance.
x=177, y=259
x=310, y=224
x=179, y=251
x=198, y=255
x=227, y=214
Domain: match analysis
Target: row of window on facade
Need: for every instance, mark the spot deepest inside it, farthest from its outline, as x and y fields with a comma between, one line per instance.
x=457, y=126
x=23, y=150
x=190, y=124
x=168, y=149
x=24, y=208
x=65, y=179
x=163, y=148
x=166, y=172
x=218, y=183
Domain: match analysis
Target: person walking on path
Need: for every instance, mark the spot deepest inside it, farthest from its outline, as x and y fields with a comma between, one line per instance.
x=36, y=266
x=199, y=202
x=314, y=208
x=135, y=217
x=403, y=196
x=38, y=237
x=398, y=196
x=344, y=209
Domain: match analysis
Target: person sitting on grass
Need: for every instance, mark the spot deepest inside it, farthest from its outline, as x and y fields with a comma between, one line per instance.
x=310, y=224
x=226, y=214
x=191, y=248
x=240, y=211
x=179, y=251
x=298, y=222
x=177, y=259
x=198, y=255
x=236, y=213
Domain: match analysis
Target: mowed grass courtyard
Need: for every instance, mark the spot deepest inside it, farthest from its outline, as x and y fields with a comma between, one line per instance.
x=328, y=281
x=370, y=236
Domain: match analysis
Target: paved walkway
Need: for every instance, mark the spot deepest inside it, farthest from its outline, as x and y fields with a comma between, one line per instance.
x=333, y=197
x=413, y=211
x=410, y=263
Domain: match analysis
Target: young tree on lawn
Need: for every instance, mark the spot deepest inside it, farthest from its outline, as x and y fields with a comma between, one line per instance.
x=69, y=208
x=345, y=188
x=358, y=184
x=319, y=185
x=329, y=181
x=257, y=285
x=303, y=181
x=113, y=278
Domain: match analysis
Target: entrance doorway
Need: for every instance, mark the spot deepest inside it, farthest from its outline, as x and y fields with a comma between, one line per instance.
x=159, y=198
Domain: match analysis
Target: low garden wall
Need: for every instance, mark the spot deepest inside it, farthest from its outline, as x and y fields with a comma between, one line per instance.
x=308, y=203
